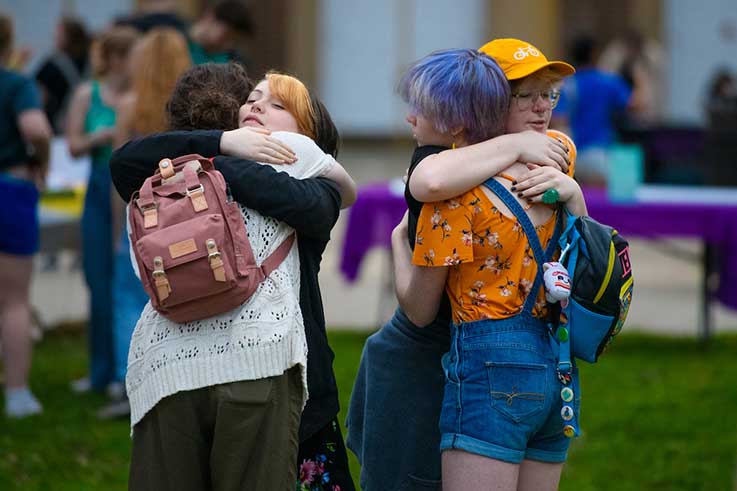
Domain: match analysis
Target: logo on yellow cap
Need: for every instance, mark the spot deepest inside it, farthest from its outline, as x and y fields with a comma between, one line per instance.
x=524, y=52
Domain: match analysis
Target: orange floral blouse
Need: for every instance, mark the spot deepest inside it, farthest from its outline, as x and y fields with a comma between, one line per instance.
x=492, y=267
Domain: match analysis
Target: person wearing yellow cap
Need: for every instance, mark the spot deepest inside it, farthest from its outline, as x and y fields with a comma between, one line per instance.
x=398, y=391
x=534, y=80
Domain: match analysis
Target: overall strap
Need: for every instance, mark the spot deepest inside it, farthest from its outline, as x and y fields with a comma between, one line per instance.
x=534, y=241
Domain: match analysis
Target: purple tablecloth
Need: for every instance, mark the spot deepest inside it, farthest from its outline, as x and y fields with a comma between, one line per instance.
x=378, y=210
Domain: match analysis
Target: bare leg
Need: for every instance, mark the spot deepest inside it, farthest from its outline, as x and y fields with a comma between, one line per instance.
x=539, y=476
x=464, y=471
x=15, y=318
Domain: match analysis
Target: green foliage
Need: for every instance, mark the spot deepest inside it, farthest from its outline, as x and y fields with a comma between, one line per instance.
x=658, y=414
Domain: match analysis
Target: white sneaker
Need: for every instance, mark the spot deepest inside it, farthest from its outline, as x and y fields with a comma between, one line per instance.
x=81, y=385
x=20, y=403
x=115, y=390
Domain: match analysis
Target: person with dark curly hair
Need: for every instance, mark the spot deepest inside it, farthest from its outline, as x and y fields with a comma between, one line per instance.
x=232, y=417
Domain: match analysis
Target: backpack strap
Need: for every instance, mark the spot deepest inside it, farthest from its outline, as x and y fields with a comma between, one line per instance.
x=534, y=241
x=275, y=259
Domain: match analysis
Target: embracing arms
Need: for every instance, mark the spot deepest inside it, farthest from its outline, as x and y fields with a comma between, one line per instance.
x=310, y=206
x=438, y=178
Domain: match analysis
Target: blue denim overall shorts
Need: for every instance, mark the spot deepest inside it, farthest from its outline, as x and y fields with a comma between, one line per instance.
x=502, y=392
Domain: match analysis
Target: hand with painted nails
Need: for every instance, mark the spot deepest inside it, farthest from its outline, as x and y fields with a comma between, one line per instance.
x=531, y=186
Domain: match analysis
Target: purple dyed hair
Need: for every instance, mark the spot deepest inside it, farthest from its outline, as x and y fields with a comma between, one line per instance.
x=459, y=88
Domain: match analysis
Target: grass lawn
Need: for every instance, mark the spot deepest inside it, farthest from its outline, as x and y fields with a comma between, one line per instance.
x=658, y=414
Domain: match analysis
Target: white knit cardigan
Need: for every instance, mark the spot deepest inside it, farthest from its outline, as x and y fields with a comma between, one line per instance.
x=262, y=338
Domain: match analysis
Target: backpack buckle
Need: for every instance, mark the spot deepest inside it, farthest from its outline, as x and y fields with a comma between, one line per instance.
x=150, y=215
x=161, y=282
x=197, y=196
x=216, y=262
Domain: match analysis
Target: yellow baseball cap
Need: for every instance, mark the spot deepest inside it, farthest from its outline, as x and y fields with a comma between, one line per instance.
x=519, y=59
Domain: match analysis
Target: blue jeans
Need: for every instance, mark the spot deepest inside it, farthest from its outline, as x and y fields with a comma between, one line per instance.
x=130, y=298
x=502, y=393
x=395, y=405
x=97, y=264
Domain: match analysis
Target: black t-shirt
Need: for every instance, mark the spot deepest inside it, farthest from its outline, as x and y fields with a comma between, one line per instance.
x=442, y=321
x=310, y=206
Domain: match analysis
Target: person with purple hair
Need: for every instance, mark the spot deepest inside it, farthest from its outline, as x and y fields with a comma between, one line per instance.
x=458, y=97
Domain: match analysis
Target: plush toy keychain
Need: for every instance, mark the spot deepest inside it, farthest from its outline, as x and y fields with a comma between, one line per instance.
x=557, y=281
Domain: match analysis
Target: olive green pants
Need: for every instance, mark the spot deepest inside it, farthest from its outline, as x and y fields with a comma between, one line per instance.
x=236, y=436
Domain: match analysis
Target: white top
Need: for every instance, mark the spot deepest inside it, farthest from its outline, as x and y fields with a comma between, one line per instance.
x=262, y=338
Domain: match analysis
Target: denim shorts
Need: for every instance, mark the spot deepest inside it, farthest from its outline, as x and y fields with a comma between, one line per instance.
x=502, y=393
x=18, y=216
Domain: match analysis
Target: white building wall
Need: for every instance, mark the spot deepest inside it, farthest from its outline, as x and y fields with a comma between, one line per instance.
x=365, y=46
x=701, y=37
x=35, y=20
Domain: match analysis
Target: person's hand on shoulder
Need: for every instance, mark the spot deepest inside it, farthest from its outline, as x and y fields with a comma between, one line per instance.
x=538, y=148
x=256, y=144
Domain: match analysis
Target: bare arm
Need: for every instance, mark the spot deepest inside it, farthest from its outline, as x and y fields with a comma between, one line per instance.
x=81, y=143
x=419, y=289
x=452, y=172
x=124, y=122
x=36, y=131
x=347, y=186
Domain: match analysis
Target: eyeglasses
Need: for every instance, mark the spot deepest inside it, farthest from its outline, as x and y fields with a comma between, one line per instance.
x=525, y=100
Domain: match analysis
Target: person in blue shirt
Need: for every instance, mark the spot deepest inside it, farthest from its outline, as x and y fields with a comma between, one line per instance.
x=24, y=152
x=590, y=102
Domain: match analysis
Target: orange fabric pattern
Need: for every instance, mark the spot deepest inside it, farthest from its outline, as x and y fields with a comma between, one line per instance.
x=568, y=142
x=492, y=267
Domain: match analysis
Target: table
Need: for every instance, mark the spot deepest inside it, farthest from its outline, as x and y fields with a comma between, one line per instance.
x=59, y=217
x=707, y=214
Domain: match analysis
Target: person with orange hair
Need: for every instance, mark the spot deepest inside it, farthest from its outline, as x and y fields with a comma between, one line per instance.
x=220, y=399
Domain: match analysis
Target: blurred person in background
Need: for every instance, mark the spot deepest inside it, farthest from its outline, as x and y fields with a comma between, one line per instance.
x=61, y=72
x=24, y=151
x=214, y=37
x=400, y=374
x=639, y=61
x=156, y=63
x=591, y=102
x=90, y=129
x=721, y=98
x=154, y=13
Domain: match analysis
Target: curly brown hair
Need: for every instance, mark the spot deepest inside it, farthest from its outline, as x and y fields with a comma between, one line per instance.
x=208, y=97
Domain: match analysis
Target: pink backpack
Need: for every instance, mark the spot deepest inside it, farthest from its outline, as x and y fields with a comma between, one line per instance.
x=190, y=242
